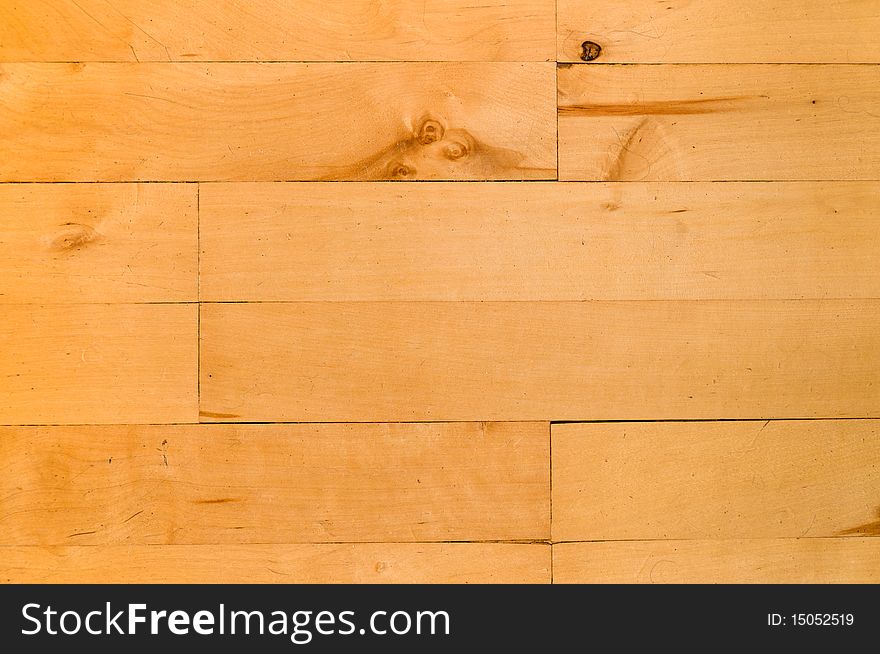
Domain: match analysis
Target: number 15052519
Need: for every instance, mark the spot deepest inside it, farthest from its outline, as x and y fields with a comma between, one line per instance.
x=811, y=620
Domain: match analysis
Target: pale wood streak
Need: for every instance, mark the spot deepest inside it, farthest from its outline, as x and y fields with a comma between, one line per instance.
x=391, y=361
x=751, y=561
x=372, y=563
x=239, y=484
x=260, y=30
x=472, y=242
x=682, y=480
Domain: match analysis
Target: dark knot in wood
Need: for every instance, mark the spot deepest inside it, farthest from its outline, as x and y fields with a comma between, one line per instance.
x=590, y=50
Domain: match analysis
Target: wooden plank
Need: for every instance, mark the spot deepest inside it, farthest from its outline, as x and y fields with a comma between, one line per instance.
x=228, y=484
x=387, y=361
x=98, y=363
x=64, y=243
x=259, y=30
x=612, y=241
x=752, y=561
x=681, y=480
x=371, y=563
x=714, y=31
x=736, y=122
x=241, y=121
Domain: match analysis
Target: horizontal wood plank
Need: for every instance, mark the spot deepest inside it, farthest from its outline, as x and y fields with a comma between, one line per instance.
x=100, y=363
x=682, y=480
x=356, y=362
x=735, y=122
x=752, y=561
x=63, y=243
x=371, y=563
x=242, y=121
x=259, y=30
x=715, y=31
x=228, y=484
x=610, y=241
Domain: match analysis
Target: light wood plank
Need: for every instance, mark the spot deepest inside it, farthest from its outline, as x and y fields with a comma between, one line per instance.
x=370, y=563
x=98, y=363
x=680, y=480
x=693, y=122
x=531, y=361
x=240, y=121
x=776, y=561
x=64, y=243
x=227, y=484
x=367, y=242
x=715, y=31
x=255, y=30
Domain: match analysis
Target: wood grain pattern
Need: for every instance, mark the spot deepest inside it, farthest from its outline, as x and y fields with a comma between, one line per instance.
x=228, y=484
x=65, y=243
x=239, y=121
x=121, y=363
x=260, y=30
x=472, y=242
x=371, y=563
x=523, y=361
x=680, y=480
x=752, y=561
x=735, y=122
x=715, y=31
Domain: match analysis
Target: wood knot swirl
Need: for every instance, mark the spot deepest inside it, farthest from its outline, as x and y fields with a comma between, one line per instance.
x=73, y=236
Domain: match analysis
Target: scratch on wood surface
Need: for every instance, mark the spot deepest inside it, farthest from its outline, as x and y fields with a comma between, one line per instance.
x=133, y=515
x=655, y=107
x=615, y=169
x=219, y=500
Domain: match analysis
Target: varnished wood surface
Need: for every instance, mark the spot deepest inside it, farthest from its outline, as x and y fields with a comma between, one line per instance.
x=98, y=363
x=263, y=30
x=692, y=480
x=87, y=122
x=348, y=563
x=476, y=242
x=734, y=122
x=396, y=361
x=393, y=245
x=76, y=243
x=717, y=31
x=751, y=561
x=238, y=484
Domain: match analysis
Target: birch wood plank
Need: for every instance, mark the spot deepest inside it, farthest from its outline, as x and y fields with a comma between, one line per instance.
x=239, y=484
x=388, y=361
x=271, y=122
x=681, y=480
x=371, y=563
x=98, y=363
x=751, y=561
x=473, y=242
x=715, y=31
x=260, y=30
x=711, y=122
x=64, y=243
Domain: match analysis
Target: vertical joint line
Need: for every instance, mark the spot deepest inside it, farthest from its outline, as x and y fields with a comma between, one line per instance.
x=199, y=303
x=550, y=465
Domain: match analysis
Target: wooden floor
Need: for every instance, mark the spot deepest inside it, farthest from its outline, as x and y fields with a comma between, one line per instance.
x=629, y=332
